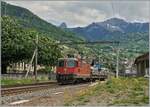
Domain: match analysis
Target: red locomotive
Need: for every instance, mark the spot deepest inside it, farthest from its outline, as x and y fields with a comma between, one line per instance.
x=71, y=70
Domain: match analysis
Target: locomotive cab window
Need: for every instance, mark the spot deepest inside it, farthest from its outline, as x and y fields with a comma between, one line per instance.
x=71, y=63
x=61, y=63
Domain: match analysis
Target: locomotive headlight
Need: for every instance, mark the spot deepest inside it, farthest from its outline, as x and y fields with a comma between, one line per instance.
x=65, y=70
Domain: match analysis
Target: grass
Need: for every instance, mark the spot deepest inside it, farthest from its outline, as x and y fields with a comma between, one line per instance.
x=121, y=91
x=10, y=81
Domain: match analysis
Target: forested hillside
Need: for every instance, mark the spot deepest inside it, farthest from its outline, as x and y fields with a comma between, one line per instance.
x=19, y=30
x=18, y=44
x=28, y=19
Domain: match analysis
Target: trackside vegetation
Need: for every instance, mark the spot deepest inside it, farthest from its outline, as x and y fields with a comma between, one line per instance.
x=121, y=91
x=11, y=81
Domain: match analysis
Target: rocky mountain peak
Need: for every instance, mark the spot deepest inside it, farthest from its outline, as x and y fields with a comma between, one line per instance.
x=63, y=25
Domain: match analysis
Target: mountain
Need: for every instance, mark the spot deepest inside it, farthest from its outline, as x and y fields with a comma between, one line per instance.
x=29, y=20
x=126, y=27
x=108, y=29
x=63, y=25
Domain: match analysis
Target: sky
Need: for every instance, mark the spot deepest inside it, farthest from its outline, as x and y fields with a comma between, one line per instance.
x=82, y=13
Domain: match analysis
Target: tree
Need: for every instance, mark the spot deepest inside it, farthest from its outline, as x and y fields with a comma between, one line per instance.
x=16, y=42
x=19, y=43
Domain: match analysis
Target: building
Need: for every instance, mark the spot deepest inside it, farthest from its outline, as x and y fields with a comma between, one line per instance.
x=142, y=64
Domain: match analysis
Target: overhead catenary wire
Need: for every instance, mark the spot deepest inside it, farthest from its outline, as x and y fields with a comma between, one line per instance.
x=112, y=8
x=118, y=9
x=115, y=11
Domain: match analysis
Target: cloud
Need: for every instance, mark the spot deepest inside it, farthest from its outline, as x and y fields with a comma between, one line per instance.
x=82, y=13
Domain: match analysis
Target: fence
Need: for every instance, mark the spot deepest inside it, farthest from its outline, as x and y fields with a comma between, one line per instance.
x=45, y=76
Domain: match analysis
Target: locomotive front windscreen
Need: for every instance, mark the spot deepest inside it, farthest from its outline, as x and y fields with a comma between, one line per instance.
x=71, y=63
x=61, y=63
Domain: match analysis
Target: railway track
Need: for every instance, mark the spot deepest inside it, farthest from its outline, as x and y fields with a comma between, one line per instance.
x=29, y=88
x=12, y=90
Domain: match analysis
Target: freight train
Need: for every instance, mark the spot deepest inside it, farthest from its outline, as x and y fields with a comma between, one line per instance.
x=73, y=70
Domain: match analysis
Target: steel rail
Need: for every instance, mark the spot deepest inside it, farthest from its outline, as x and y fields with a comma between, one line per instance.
x=26, y=88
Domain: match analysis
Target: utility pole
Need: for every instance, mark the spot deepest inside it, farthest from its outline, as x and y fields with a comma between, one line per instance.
x=36, y=57
x=117, y=60
x=30, y=64
x=117, y=63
